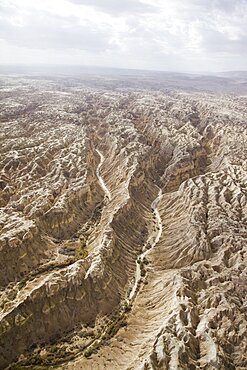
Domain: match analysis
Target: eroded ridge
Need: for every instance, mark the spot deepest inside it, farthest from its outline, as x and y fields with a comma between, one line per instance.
x=123, y=228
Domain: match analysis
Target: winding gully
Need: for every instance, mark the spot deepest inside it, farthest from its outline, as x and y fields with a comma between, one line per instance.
x=151, y=242
x=153, y=239
x=101, y=181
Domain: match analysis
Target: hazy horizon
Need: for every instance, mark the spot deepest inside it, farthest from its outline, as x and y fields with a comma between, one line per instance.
x=62, y=68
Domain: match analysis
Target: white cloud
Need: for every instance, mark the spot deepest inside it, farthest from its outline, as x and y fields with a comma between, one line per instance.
x=182, y=35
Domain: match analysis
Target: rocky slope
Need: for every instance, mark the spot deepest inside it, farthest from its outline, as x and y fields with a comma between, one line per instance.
x=123, y=227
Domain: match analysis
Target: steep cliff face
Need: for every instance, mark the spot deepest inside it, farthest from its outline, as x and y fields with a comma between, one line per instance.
x=123, y=230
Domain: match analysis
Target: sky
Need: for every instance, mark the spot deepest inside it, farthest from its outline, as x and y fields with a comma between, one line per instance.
x=168, y=35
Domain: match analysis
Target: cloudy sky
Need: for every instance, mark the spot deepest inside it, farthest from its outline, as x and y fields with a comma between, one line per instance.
x=172, y=35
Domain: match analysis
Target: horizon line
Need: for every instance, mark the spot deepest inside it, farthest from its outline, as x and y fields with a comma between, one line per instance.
x=40, y=65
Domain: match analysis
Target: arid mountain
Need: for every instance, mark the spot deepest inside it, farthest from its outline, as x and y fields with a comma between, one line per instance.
x=123, y=222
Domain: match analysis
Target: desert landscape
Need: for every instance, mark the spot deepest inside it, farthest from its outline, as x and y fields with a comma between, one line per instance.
x=123, y=220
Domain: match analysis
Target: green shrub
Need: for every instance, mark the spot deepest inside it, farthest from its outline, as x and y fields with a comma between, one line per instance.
x=88, y=352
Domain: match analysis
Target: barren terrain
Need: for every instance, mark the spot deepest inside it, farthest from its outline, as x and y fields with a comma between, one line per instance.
x=123, y=223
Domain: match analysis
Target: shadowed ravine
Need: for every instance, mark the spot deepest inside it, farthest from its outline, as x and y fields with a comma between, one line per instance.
x=152, y=240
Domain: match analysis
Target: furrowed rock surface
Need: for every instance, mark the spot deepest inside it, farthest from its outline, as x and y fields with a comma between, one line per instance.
x=123, y=227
